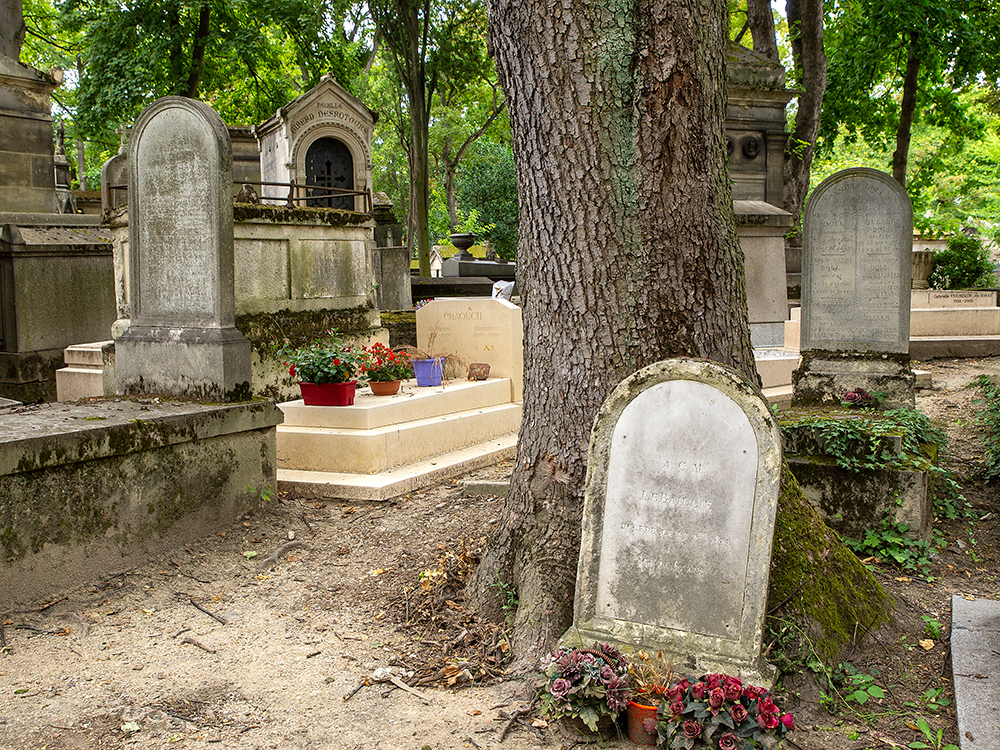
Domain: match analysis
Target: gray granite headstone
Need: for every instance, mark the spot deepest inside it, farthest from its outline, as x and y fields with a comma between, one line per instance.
x=682, y=490
x=856, y=269
x=182, y=338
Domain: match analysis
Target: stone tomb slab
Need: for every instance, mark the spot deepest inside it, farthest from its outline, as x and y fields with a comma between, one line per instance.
x=682, y=490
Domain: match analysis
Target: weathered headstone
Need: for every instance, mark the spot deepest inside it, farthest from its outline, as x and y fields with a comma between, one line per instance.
x=678, y=520
x=182, y=338
x=856, y=290
x=476, y=329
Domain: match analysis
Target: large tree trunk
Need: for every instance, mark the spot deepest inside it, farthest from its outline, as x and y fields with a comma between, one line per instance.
x=805, y=22
x=761, y=23
x=627, y=253
x=906, y=110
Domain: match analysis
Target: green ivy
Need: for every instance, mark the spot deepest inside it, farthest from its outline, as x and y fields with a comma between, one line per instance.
x=989, y=418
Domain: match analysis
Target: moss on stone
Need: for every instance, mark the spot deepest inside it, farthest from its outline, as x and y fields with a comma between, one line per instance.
x=817, y=582
x=301, y=214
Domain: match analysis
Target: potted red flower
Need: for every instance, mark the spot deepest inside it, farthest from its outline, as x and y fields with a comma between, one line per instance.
x=325, y=370
x=385, y=368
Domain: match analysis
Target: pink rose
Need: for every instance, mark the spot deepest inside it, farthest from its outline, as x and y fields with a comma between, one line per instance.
x=698, y=690
x=677, y=708
x=727, y=741
x=787, y=721
x=739, y=713
x=716, y=697
x=768, y=720
x=766, y=706
x=692, y=729
x=753, y=692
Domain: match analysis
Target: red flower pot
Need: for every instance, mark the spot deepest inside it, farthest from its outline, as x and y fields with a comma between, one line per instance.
x=384, y=387
x=328, y=394
x=637, y=714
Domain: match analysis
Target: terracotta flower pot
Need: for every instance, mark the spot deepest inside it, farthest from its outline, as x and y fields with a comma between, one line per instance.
x=328, y=394
x=637, y=714
x=384, y=387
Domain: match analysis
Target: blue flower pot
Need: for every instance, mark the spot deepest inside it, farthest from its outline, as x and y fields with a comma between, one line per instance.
x=428, y=371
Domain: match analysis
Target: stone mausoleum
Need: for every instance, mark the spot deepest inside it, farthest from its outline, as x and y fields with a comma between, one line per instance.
x=320, y=140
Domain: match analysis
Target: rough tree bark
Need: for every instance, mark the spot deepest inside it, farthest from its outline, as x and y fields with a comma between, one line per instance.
x=805, y=23
x=627, y=252
x=761, y=23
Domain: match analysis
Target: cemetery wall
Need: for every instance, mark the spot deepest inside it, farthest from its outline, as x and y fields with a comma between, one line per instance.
x=87, y=491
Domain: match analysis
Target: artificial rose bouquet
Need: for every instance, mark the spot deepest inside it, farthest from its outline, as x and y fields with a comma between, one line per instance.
x=585, y=683
x=719, y=711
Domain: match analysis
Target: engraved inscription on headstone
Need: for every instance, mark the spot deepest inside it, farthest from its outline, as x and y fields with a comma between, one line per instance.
x=683, y=519
x=682, y=485
x=856, y=265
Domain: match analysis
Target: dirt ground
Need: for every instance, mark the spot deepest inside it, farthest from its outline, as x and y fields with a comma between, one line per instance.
x=275, y=633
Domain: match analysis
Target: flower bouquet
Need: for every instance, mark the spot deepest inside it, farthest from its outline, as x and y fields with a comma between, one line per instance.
x=719, y=711
x=859, y=398
x=587, y=683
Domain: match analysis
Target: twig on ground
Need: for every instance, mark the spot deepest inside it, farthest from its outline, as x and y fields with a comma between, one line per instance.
x=208, y=612
x=356, y=516
x=273, y=558
x=513, y=719
x=403, y=686
x=348, y=696
x=182, y=630
x=33, y=629
x=199, y=644
x=308, y=525
x=472, y=742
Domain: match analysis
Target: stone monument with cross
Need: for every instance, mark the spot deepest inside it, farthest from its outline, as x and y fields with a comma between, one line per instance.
x=181, y=339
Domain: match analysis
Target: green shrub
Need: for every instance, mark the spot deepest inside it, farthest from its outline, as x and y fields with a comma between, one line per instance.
x=964, y=264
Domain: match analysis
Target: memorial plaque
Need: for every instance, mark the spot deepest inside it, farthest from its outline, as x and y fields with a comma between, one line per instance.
x=856, y=265
x=682, y=487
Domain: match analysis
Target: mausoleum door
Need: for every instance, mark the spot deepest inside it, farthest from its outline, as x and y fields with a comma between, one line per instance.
x=329, y=165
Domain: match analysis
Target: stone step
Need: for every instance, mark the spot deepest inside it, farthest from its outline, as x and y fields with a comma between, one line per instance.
x=775, y=366
x=75, y=383
x=378, y=449
x=403, y=479
x=86, y=355
x=410, y=404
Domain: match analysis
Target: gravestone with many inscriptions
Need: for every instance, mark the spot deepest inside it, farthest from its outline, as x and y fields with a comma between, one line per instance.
x=182, y=339
x=856, y=270
x=678, y=520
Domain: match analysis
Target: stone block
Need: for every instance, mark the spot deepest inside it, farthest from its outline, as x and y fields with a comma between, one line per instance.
x=91, y=489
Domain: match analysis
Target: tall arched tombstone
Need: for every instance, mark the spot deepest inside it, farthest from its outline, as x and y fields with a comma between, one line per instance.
x=182, y=339
x=678, y=520
x=856, y=270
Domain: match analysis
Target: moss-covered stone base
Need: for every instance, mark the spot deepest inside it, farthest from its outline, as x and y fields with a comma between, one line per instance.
x=817, y=583
x=824, y=377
